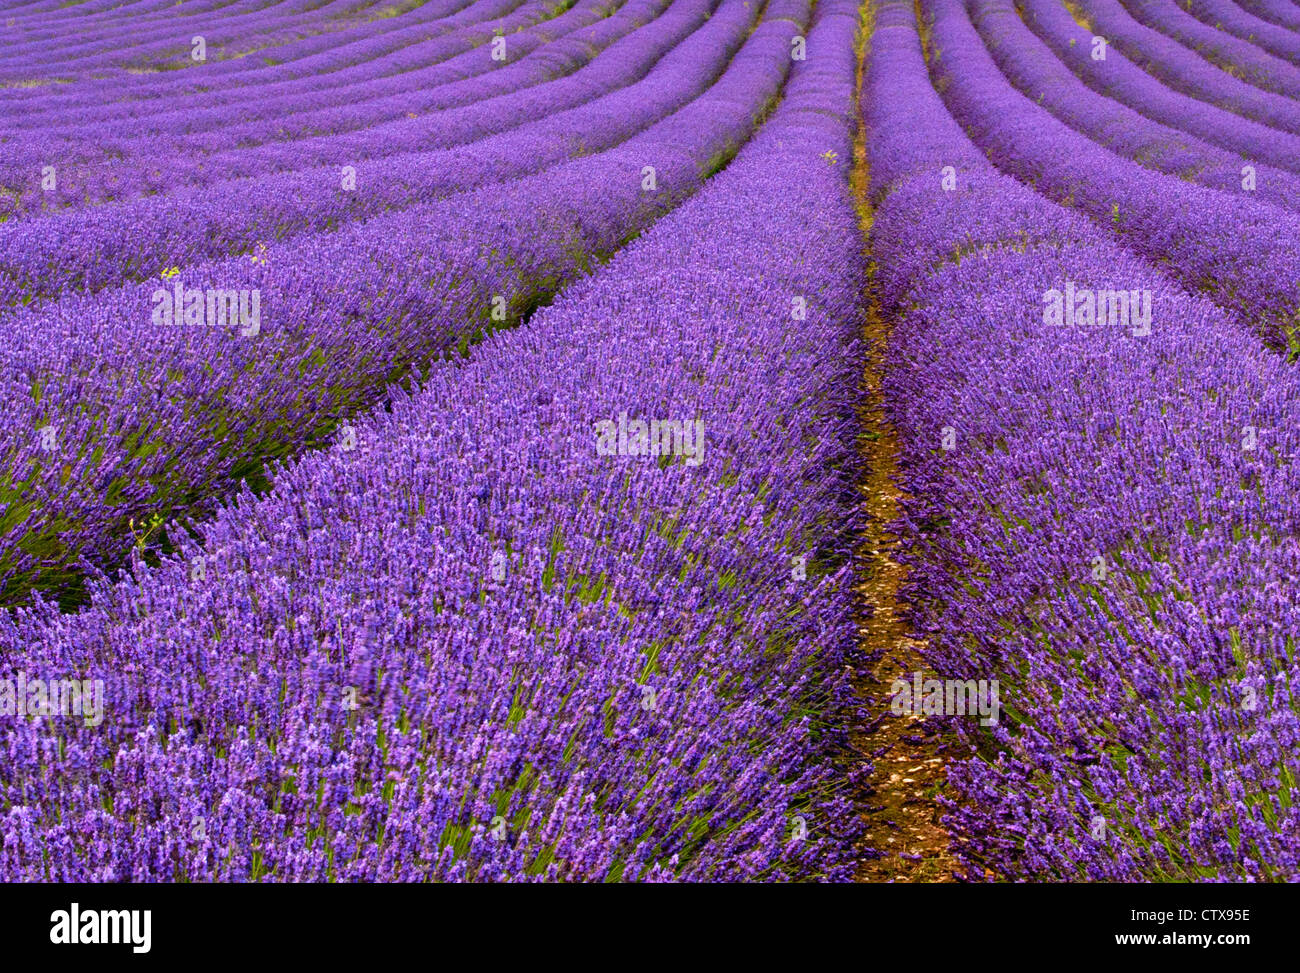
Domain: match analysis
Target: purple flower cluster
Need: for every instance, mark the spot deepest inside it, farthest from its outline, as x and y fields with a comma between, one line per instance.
x=470, y=647
x=1112, y=531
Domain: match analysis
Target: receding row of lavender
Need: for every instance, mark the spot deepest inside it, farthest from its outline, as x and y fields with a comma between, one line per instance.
x=1103, y=516
x=433, y=434
x=471, y=638
x=160, y=406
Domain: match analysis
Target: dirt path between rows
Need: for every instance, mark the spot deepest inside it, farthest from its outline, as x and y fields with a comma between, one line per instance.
x=904, y=839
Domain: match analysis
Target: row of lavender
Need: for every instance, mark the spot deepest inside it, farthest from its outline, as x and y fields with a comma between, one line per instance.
x=1103, y=517
x=1119, y=78
x=429, y=37
x=37, y=50
x=328, y=58
x=1242, y=22
x=352, y=178
x=77, y=45
x=115, y=157
x=1173, y=64
x=429, y=34
x=122, y=413
x=1209, y=239
x=481, y=645
x=100, y=50
x=1034, y=69
x=1249, y=59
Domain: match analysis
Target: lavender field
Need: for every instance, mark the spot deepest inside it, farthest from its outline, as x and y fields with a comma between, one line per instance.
x=649, y=440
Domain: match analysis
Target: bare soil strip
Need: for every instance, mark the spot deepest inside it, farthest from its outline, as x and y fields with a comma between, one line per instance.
x=904, y=839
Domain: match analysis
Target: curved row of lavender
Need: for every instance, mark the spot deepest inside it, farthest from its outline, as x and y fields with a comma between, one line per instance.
x=45, y=19
x=402, y=70
x=1120, y=79
x=114, y=158
x=1208, y=239
x=151, y=418
x=112, y=41
x=1281, y=12
x=644, y=77
x=474, y=648
x=1040, y=76
x=402, y=123
x=428, y=34
x=323, y=62
x=173, y=51
x=558, y=72
x=392, y=45
x=363, y=52
x=1185, y=71
x=300, y=61
x=52, y=19
x=1235, y=56
x=1110, y=534
x=1241, y=23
